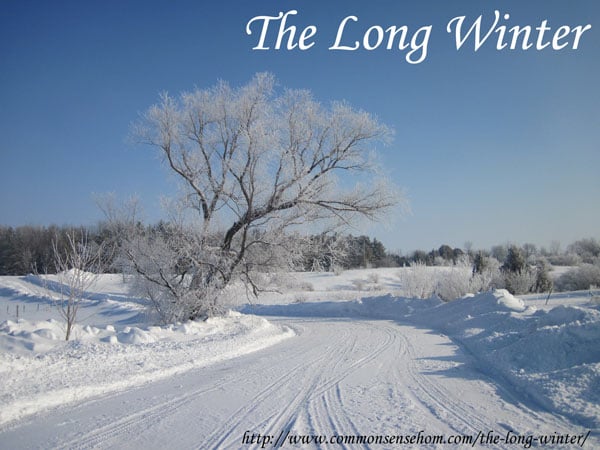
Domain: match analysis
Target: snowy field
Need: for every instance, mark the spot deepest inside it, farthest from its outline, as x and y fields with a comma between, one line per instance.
x=327, y=357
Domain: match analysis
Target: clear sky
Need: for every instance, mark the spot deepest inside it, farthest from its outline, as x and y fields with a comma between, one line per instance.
x=490, y=146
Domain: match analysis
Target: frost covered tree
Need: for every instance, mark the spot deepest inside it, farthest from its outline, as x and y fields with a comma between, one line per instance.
x=515, y=261
x=543, y=280
x=326, y=252
x=587, y=249
x=500, y=252
x=77, y=262
x=519, y=277
x=255, y=164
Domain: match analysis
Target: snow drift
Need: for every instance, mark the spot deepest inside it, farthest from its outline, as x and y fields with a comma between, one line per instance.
x=551, y=356
x=40, y=370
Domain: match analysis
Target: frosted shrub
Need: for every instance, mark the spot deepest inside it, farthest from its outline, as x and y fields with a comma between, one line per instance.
x=359, y=284
x=417, y=280
x=455, y=282
x=373, y=278
x=288, y=282
x=338, y=270
x=77, y=265
x=460, y=279
x=300, y=298
x=579, y=278
x=449, y=283
x=520, y=282
x=489, y=276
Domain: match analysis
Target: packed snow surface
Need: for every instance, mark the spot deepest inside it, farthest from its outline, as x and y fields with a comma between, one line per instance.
x=329, y=355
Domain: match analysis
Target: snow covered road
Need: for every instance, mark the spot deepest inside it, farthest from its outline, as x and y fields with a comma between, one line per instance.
x=337, y=377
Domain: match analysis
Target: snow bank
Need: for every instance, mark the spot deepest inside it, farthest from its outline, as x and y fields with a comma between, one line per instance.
x=381, y=307
x=552, y=357
x=40, y=370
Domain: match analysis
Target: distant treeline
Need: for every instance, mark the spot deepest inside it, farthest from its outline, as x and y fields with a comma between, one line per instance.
x=25, y=249
x=28, y=249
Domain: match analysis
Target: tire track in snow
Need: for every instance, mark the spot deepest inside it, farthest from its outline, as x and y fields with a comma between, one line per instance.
x=329, y=411
x=322, y=414
x=230, y=428
x=319, y=397
x=467, y=418
x=143, y=419
x=333, y=411
x=441, y=404
x=228, y=432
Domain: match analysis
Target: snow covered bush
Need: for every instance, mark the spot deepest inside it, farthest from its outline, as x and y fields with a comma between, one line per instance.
x=284, y=281
x=359, y=284
x=543, y=280
x=373, y=278
x=455, y=281
x=523, y=278
x=450, y=282
x=522, y=282
x=579, y=278
x=487, y=272
x=463, y=278
x=458, y=280
x=77, y=264
x=417, y=281
x=587, y=249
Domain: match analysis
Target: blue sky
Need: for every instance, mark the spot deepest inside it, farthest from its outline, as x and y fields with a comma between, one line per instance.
x=490, y=146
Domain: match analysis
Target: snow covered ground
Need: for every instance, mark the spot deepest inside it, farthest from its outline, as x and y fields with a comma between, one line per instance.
x=330, y=357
